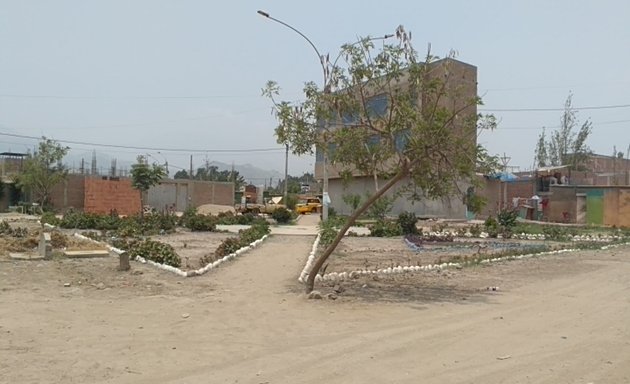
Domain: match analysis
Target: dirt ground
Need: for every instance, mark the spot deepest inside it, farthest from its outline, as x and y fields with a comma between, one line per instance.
x=555, y=319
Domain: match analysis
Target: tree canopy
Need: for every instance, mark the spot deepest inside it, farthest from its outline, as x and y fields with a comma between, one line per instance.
x=212, y=173
x=144, y=176
x=43, y=170
x=389, y=114
x=565, y=146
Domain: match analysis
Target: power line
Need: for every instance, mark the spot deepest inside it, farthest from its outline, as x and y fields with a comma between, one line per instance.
x=554, y=109
x=187, y=150
x=62, y=97
x=595, y=124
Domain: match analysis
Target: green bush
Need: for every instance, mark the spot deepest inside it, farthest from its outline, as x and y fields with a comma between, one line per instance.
x=507, y=218
x=328, y=231
x=407, y=222
x=50, y=218
x=385, y=228
x=154, y=250
x=492, y=227
x=202, y=223
x=228, y=246
x=245, y=237
x=380, y=208
x=281, y=215
x=186, y=215
x=556, y=233
x=475, y=230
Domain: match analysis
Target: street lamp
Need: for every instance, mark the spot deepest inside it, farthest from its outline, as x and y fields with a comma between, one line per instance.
x=326, y=89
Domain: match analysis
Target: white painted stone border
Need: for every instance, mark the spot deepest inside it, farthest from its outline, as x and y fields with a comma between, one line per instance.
x=309, y=260
x=341, y=276
x=177, y=271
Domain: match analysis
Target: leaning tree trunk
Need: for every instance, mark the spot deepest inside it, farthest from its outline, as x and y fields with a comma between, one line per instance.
x=310, y=282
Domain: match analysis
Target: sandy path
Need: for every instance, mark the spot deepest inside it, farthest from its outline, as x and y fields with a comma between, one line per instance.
x=248, y=323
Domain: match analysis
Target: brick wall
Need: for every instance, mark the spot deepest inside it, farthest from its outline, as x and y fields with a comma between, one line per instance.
x=102, y=196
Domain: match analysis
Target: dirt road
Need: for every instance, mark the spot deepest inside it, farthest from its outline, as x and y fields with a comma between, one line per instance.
x=554, y=320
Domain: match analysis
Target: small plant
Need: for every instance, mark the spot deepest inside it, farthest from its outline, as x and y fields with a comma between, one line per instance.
x=556, y=233
x=492, y=227
x=328, y=231
x=507, y=218
x=475, y=230
x=407, y=222
x=281, y=215
x=50, y=218
x=385, y=228
x=380, y=208
x=352, y=200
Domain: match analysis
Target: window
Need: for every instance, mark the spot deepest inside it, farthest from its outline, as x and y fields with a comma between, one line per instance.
x=377, y=105
x=401, y=138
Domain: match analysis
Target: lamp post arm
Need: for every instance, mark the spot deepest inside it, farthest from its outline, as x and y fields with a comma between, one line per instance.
x=319, y=55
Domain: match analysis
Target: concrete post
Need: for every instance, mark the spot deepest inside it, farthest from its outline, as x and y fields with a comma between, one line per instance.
x=45, y=246
x=124, y=262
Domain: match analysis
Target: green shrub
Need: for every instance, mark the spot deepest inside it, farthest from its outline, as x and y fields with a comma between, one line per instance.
x=380, y=208
x=492, y=227
x=228, y=246
x=50, y=218
x=407, y=222
x=245, y=237
x=253, y=233
x=154, y=250
x=281, y=215
x=328, y=231
x=475, y=230
x=385, y=228
x=507, y=218
x=202, y=223
x=554, y=232
x=245, y=219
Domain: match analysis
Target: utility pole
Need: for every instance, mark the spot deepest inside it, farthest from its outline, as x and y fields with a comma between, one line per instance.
x=286, y=173
x=505, y=160
x=190, y=175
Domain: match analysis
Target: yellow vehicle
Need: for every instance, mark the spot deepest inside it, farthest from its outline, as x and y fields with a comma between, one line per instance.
x=308, y=205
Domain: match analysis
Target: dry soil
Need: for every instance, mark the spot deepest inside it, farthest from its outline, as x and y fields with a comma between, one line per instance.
x=561, y=319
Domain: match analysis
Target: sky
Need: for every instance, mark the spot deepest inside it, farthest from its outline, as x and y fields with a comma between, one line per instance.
x=184, y=77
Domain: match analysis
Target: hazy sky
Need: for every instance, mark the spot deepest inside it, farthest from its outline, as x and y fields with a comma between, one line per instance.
x=187, y=74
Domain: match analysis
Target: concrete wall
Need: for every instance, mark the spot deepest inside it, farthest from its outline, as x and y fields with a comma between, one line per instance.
x=501, y=195
x=450, y=208
x=104, y=195
x=70, y=193
x=605, y=205
x=181, y=193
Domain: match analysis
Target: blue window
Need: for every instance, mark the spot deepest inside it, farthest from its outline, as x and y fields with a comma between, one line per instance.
x=373, y=141
x=377, y=105
x=349, y=118
x=401, y=138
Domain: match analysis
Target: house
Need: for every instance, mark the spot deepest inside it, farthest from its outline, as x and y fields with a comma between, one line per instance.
x=455, y=75
x=597, y=195
x=11, y=164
